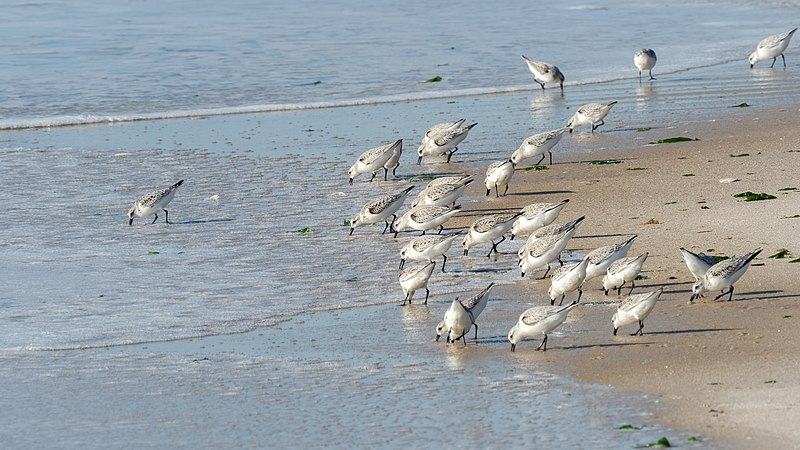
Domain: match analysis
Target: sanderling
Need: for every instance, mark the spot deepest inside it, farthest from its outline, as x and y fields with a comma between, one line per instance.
x=538, y=320
x=452, y=179
x=538, y=144
x=443, y=142
x=621, y=271
x=424, y=217
x=394, y=161
x=440, y=128
x=722, y=275
x=374, y=160
x=601, y=258
x=566, y=279
x=460, y=317
x=645, y=59
x=550, y=230
x=544, y=72
x=697, y=264
x=771, y=47
x=441, y=194
x=487, y=229
x=427, y=247
x=544, y=251
x=152, y=203
x=380, y=209
x=498, y=174
x=591, y=114
x=635, y=308
x=535, y=216
x=416, y=277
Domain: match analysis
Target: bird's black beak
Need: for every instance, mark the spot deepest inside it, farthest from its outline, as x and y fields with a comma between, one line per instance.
x=615, y=331
x=513, y=347
x=351, y=230
x=351, y=181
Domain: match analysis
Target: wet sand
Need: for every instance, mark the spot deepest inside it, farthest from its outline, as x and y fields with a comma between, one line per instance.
x=725, y=370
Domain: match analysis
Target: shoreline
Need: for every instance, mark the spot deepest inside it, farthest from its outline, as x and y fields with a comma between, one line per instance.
x=721, y=369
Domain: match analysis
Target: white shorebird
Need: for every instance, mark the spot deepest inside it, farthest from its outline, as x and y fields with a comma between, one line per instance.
x=536, y=216
x=538, y=144
x=380, y=209
x=394, y=161
x=442, y=194
x=152, y=203
x=635, y=308
x=544, y=72
x=722, y=275
x=698, y=264
x=621, y=271
x=550, y=230
x=601, y=258
x=440, y=128
x=427, y=248
x=567, y=279
x=451, y=179
x=424, y=217
x=374, y=160
x=460, y=318
x=416, y=277
x=487, y=229
x=590, y=114
x=771, y=47
x=645, y=59
x=536, y=321
x=498, y=174
x=443, y=142
x=544, y=251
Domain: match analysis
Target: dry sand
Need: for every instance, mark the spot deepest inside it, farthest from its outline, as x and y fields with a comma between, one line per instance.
x=726, y=370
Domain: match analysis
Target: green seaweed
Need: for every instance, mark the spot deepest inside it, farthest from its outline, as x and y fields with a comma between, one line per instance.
x=783, y=253
x=753, y=197
x=787, y=189
x=688, y=174
x=642, y=130
x=434, y=80
x=346, y=223
x=738, y=155
x=602, y=162
x=629, y=427
x=636, y=168
x=305, y=230
x=795, y=261
x=694, y=439
x=770, y=381
x=153, y=253
x=796, y=216
x=674, y=140
x=741, y=105
x=535, y=168
x=351, y=280
x=661, y=443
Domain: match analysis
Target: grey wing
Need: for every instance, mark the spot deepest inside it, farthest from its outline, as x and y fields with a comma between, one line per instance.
x=536, y=314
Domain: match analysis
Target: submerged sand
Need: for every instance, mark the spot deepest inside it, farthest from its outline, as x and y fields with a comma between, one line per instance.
x=726, y=370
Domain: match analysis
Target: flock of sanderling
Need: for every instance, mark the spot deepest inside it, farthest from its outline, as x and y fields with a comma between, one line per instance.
x=436, y=204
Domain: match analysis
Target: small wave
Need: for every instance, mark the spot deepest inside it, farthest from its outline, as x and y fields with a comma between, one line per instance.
x=77, y=120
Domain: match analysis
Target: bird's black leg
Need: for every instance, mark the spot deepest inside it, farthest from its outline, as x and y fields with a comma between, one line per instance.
x=496, y=191
x=633, y=285
x=464, y=337
x=394, y=171
x=154, y=219
x=551, y=157
x=427, y=293
x=373, y=176
x=441, y=228
x=541, y=84
x=773, y=62
x=494, y=246
x=385, y=174
x=543, y=345
x=784, y=60
x=580, y=292
x=639, y=331
x=476, y=331
x=166, y=216
x=444, y=263
x=725, y=293
x=640, y=77
x=651, y=75
x=540, y=160
x=505, y=191
x=407, y=299
x=384, y=228
x=546, y=272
